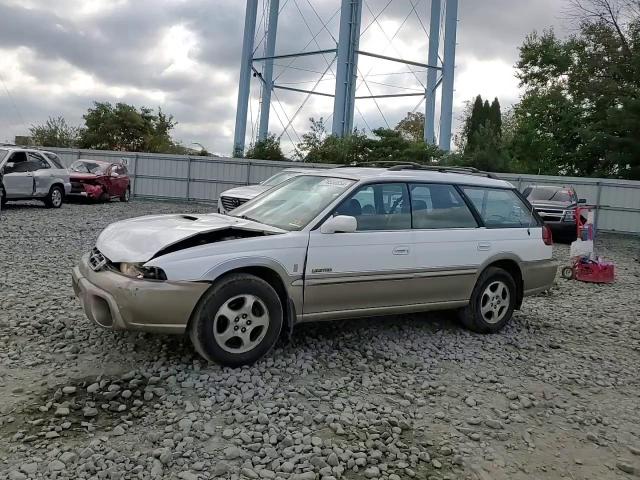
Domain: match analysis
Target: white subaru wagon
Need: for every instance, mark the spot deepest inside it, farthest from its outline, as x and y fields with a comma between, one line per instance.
x=336, y=244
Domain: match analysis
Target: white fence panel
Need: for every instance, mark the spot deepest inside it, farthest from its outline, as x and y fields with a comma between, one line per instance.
x=181, y=177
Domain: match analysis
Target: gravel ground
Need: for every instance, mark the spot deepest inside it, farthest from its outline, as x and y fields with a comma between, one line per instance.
x=555, y=395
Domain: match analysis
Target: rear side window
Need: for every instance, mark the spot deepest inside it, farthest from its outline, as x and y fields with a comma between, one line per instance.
x=53, y=158
x=36, y=162
x=500, y=208
x=436, y=206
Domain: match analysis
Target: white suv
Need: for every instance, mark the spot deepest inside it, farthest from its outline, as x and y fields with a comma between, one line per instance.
x=340, y=243
x=32, y=174
x=234, y=197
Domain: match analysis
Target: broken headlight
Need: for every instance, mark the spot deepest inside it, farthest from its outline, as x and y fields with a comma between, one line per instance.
x=136, y=270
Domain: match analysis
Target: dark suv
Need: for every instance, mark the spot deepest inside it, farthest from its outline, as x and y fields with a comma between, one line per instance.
x=557, y=207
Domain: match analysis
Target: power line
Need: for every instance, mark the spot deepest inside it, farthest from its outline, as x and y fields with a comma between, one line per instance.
x=322, y=22
x=304, y=102
x=364, y=80
x=390, y=40
x=397, y=86
x=284, y=112
x=314, y=36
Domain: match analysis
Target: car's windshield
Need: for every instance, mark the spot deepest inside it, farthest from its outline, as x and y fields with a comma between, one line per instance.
x=294, y=204
x=3, y=153
x=279, y=178
x=550, y=194
x=83, y=166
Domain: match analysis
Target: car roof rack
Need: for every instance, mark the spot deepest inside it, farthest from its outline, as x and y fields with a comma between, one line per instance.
x=396, y=166
x=444, y=169
x=380, y=164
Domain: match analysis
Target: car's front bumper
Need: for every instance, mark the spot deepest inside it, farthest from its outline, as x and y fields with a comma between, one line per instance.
x=86, y=190
x=115, y=301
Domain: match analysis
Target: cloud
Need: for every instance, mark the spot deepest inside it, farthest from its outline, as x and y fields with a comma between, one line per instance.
x=56, y=58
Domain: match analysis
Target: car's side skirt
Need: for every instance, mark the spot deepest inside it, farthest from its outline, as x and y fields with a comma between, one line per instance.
x=381, y=311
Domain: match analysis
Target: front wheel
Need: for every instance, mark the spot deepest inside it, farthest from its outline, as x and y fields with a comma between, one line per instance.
x=55, y=197
x=238, y=321
x=492, y=302
x=3, y=197
x=126, y=196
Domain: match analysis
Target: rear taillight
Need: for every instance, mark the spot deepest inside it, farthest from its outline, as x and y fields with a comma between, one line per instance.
x=547, y=237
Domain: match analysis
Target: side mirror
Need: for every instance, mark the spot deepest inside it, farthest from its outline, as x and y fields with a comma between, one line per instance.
x=340, y=224
x=582, y=200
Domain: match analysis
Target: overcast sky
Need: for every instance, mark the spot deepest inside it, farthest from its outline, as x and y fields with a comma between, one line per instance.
x=57, y=57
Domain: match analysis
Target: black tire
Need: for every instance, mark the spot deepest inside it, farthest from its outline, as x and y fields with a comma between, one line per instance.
x=55, y=197
x=204, y=318
x=471, y=315
x=126, y=196
x=3, y=197
x=568, y=273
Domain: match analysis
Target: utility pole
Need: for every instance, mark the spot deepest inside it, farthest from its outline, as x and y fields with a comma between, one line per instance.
x=267, y=74
x=448, y=71
x=244, y=88
x=347, y=70
x=432, y=74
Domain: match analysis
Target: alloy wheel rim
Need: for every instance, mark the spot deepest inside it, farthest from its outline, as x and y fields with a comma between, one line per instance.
x=56, y=198
x=241, y=323
x=495, y=301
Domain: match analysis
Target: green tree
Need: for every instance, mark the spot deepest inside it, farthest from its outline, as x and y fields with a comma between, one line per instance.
x=383, y=145
x=495, y=117
x=411, y=127
x=267, y=149
x=578, y=108
x=310, y=148
x=473, y=122
x=55, y=132
x=126, y=128
x=481, y=143
x=489, y=153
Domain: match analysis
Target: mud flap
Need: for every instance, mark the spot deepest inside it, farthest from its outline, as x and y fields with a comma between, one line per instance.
x=290, y=320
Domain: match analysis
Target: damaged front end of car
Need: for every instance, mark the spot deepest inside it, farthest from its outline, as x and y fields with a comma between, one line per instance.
x=129, y=279
x=85, y=188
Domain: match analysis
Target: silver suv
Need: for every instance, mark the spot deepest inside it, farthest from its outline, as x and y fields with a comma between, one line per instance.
x=33, y=174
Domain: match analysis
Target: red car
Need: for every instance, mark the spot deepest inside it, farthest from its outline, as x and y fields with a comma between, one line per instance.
x=98, y=180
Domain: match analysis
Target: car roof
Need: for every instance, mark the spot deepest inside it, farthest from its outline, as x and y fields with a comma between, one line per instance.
x=300, y=170
x=376, y=174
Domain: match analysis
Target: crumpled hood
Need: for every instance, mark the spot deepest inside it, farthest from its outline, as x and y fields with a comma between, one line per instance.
x=137, y=240
x=551, y=204
x=82, y=176
x=248, y=192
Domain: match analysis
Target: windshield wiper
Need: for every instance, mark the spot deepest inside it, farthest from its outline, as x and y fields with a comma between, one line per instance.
x=244, y=217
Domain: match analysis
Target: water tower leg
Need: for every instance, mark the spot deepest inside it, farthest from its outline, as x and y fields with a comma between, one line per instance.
x=244, y=88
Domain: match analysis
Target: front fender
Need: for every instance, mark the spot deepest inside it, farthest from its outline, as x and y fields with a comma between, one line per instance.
x=293, y=282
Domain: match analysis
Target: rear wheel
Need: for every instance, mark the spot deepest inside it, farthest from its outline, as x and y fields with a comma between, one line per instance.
x=126, y=196
x=55, y=197
x=238, y=321
x=492, y=302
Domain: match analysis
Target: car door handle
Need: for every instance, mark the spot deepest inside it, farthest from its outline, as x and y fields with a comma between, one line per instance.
x=484, y=246
x=401, y=251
